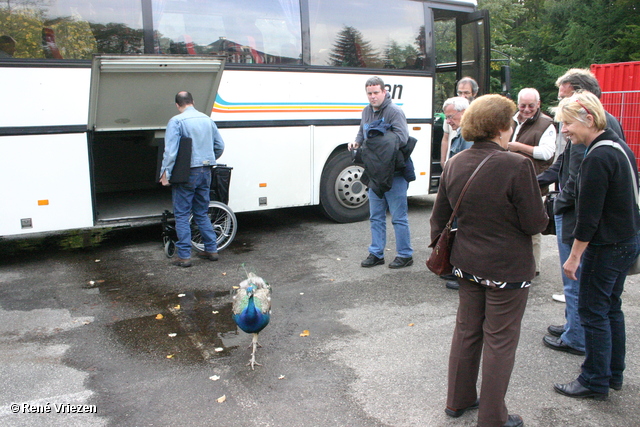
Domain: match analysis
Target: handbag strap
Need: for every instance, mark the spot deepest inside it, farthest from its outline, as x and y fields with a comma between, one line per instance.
x=617, y=146
x=464, y=189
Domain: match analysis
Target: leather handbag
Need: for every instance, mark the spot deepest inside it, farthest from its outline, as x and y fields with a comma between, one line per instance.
x=439, y=261
x=635, y=267
x=549, y=200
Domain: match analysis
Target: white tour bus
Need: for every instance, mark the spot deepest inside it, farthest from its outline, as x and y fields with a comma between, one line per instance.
x=88, y=87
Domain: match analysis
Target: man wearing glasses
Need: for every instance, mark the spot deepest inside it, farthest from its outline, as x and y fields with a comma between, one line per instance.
x=467, y=88
x=453, y=109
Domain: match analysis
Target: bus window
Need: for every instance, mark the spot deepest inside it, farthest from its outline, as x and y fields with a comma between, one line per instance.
x=446, y=57
x=352, y=39
x=245, y=31
x=72, y=29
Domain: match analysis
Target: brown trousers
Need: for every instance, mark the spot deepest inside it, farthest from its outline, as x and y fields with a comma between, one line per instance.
x=489, y=318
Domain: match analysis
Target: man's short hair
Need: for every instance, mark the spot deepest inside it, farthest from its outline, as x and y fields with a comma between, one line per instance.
x=528, y=90
x=580, y=78
x=460, y=103
x=472, y=82
x=184, y=98
x=374, y=81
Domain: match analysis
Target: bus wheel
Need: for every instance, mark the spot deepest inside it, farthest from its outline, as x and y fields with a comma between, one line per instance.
x=343, y=198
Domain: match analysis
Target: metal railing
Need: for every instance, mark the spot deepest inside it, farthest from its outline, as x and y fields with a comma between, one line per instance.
x=625, y=106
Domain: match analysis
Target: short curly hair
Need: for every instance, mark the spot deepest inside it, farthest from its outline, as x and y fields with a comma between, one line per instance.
x=486, y=117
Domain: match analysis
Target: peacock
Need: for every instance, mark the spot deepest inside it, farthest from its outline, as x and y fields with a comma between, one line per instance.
x=252, y=309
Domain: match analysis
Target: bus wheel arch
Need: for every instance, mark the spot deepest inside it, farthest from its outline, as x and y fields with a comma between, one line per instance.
x=343, y=197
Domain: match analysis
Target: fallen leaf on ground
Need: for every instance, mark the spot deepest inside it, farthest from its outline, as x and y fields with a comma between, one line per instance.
x=222, y=398
x=172, y=334
x=281, y=377
x=180, y=295
x=304, y=333
x=215, y=312
x=169, y=356
x=159, y=316
x=214, y=377
x=411, y=324
x=219, y=349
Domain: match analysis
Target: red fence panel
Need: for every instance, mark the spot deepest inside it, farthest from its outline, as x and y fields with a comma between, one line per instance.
x=625, y=106
x=618, y=76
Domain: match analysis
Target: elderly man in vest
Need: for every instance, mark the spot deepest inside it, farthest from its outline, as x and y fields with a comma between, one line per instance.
x=534, y=136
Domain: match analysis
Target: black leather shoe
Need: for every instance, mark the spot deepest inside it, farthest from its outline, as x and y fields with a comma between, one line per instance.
x=452, y=284
x=556, y=331
x=455, y=413
x=577, y=390
x=615, y=385
x=449, y=276
x=372, y=261
x=556, y=343
x=181, y=262
x=400, y=262
x=514, y=421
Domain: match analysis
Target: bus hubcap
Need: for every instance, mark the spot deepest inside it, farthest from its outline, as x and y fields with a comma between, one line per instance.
x=349, y=190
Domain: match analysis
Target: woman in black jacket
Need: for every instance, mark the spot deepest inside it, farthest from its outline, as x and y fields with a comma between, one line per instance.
x=606, y=241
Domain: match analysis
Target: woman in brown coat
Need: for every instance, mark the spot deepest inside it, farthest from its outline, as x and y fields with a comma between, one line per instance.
x=492, y=257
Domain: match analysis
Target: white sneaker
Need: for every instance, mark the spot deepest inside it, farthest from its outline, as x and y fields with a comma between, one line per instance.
x=558, y=297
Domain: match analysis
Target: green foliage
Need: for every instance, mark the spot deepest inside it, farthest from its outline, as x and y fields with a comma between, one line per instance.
x=547, y=37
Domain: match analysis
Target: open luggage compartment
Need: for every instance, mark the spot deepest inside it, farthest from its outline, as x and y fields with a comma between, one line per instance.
x=132, y=99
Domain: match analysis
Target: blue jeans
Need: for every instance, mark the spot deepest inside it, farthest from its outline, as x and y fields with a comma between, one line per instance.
x=396, y=201
x=193, y=197
x=573, y=334
x=604, y=270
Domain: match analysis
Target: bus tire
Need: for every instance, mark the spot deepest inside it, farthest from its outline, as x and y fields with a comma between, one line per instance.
x=224, y=223
x=343, y=197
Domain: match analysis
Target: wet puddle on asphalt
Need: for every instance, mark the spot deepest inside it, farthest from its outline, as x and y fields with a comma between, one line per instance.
x=192, y=327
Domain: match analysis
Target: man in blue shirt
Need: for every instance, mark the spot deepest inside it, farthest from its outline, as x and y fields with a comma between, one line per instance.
x=193, y=196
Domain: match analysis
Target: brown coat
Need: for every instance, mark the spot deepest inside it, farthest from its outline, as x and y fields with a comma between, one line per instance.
x=499, y=213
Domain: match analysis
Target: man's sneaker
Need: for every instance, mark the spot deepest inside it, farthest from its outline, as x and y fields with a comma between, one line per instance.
x=211, y=256
x=181, y=262
x=401, y=262
x=372, y=261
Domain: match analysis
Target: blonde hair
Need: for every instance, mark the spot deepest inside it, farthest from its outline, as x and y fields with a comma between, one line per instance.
x=486, y=117
x=578, y=106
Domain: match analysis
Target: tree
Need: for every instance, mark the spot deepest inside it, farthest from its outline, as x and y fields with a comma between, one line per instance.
x=545, y=37
x=351, y=50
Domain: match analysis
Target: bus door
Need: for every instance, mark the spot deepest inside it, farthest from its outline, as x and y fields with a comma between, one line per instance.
x=462, y=49
x=130, y=103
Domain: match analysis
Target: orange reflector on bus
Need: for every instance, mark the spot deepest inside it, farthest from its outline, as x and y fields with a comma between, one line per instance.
x=262, y=184
x=423, y=173
x=417, y=128
x=43, y=202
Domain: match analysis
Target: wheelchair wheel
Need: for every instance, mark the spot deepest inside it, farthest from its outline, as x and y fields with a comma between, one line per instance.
x=169, y=247
x=224, y=224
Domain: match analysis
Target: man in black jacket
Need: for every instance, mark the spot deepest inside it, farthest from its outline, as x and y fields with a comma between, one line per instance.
x=385, y=123
x=569, y=337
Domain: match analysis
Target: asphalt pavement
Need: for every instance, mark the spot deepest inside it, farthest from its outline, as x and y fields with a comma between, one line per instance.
x=113, y=335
